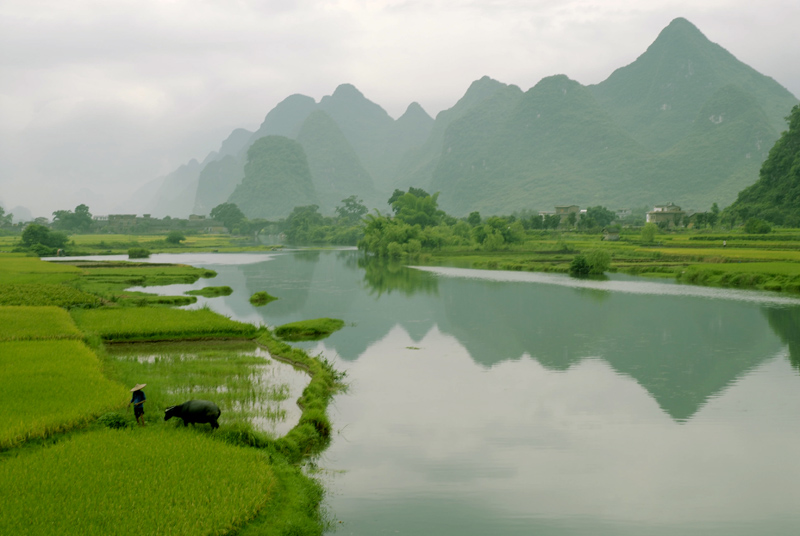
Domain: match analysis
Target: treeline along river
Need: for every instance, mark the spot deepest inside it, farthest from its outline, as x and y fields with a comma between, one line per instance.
x=515, y=403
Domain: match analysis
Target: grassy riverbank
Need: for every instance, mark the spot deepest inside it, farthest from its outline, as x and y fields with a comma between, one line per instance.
x=63, y=471
x=718, y=259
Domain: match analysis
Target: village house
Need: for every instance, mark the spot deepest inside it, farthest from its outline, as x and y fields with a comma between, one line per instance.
x=669, y=213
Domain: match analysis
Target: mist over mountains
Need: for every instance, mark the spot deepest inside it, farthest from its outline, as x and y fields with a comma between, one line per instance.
x=686, y=122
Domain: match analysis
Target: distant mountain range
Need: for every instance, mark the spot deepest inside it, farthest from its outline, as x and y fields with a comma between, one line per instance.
x=686, y=123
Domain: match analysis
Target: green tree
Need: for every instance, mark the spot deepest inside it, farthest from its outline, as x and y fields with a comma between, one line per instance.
x=597, y=217
x=80, y=220
x=5, y=219
x=303, y=225
x=351, y=210
x=175, y=237
x=35, y=235
x=649, y=232
x=229, y=214
x=474, y=218
x=579, y=265
x=599, y=261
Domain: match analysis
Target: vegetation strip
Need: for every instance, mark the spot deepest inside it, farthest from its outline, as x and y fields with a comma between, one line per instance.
x=306, y=330
x=130, y=324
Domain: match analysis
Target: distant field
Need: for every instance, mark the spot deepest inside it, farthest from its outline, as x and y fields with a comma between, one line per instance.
x=771, y=268
x=140, y=323
x=49, y=387
x=31, y=323
x=732, y=253
x=153, y=480
x=15, y=268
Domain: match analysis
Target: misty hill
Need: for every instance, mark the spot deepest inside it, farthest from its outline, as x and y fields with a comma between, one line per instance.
x=658, y=97
x=336, y=170
x=276, y=179
x=685, y=122
x=775, y=197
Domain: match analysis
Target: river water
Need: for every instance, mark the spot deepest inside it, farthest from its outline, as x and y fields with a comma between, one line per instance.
x=510, y=403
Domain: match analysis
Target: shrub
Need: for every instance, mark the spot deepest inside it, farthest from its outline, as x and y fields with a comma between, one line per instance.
x=138, y=253
x=599, y=261
x=579, y=266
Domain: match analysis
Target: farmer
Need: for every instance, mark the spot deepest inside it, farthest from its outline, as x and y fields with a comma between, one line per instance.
x=137, y=400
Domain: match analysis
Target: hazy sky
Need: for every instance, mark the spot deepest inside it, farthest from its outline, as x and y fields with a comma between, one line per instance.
x=99, y=97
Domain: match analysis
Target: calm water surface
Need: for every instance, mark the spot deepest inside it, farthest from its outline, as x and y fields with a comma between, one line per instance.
x=515, y=403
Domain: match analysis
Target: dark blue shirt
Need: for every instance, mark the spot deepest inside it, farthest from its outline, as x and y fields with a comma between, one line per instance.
x=138, y=397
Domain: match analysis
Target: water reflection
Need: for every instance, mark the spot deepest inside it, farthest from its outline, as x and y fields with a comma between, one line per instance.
x=785, y=321
x=512, y=403
x=682, y=344
x=386, y=277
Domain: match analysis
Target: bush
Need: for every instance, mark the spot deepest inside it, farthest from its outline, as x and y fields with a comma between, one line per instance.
x=138, y=253
x=599, y=261
x=175, y=238
x=756, y=226
x=579, y=266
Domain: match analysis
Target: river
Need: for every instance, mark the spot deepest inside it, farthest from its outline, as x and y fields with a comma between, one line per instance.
x=510, y=403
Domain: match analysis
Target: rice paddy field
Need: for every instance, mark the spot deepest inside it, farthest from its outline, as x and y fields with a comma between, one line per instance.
x=31, y=323
x=249, y=387
x=14, y=268
x=152, y=480
x=146, y=323
x=50, y=387
x=63, y=472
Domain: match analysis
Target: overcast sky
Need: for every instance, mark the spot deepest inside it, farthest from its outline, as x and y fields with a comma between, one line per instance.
x=99, y=97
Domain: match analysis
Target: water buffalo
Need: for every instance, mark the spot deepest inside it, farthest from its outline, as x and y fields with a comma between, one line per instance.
x=195, y=411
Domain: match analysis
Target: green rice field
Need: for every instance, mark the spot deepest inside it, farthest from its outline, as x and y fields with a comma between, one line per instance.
x=49, y=387
x=18, y=269
x=150, y=323
x=152, y=480
x=31, y=323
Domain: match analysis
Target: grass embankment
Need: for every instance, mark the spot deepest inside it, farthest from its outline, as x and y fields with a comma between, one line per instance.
x=309, y=330
x=154, y=480
x=85, y=481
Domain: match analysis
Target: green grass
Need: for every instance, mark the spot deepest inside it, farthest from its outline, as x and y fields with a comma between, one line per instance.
x=149, y=323
x=153, y=480
x=306, y=330
x=15, y=269
x=46, y=294
x=261, y=298
x=49, y=387
x=211, y=292
x=31, y=323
